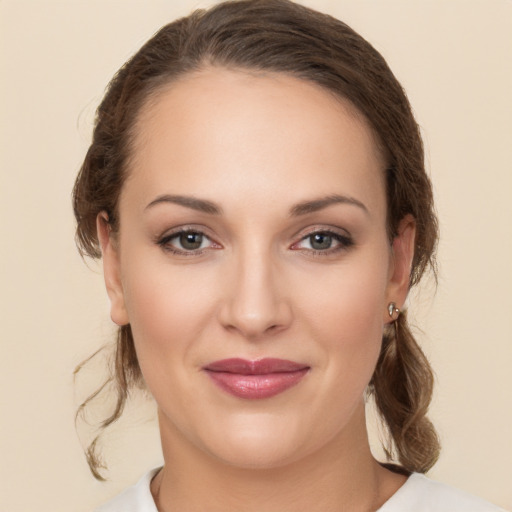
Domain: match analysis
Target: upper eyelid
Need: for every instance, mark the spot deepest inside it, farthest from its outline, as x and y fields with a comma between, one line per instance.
x=176, y=234
x=187, y=228
x=304, y=233
x=337, y=236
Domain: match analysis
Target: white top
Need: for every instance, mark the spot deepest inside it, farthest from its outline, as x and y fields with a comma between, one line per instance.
x=418, y=494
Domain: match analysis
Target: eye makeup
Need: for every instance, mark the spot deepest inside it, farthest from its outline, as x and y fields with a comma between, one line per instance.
x=193, y=241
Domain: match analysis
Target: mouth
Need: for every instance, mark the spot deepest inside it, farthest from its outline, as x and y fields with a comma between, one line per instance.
x=261, y=378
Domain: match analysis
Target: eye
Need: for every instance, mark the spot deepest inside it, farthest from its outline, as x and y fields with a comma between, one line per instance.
x=187, y=242
x=323, y=242
x=190, y=241
x=320, y=241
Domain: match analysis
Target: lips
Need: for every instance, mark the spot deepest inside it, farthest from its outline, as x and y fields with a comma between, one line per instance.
x=262, y=378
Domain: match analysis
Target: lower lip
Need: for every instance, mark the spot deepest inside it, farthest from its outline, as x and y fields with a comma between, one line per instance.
x=256, y=386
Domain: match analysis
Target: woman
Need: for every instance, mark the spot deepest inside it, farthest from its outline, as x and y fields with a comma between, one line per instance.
x=256, y=189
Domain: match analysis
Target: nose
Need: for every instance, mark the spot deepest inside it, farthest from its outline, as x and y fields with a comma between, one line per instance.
x=255, y=303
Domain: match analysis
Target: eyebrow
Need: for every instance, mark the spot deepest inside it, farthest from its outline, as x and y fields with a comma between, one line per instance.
x=315, y=205
x=302, y=208
x=201, y=205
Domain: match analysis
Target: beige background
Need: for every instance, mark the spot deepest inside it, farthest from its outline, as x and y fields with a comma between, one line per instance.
x=454, y=59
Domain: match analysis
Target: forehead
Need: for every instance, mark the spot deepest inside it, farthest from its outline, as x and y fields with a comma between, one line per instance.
x=217, y=128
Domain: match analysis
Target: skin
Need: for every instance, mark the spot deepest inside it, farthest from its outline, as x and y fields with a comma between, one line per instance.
x=257, y=145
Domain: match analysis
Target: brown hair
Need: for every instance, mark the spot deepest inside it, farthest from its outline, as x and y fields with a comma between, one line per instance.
x=279, y=36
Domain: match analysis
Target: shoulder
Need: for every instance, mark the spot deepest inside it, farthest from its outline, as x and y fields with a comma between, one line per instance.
x=134, y=499
x=421, y=494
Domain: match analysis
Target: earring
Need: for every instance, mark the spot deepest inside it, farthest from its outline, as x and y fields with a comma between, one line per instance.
x=393, y=310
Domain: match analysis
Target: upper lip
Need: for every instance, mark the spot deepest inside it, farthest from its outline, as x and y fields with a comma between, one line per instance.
x=256, y=367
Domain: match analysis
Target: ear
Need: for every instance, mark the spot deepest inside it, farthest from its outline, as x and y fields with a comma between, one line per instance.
x=402, y=253
x=111, y=270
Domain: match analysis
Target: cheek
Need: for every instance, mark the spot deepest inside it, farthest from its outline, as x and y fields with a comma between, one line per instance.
x=345, y=315
x=352, y=299
x=167, y=307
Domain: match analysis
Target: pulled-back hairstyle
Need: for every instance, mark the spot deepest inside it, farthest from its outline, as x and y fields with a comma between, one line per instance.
x=278, y=36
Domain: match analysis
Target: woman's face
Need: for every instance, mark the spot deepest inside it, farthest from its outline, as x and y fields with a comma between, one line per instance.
x=253, y=226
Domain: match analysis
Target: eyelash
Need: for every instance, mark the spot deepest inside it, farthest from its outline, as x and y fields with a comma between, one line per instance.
x=165, y=242
x=344, y=242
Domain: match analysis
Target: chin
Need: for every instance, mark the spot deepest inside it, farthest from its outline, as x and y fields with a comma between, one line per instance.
x=256, y=446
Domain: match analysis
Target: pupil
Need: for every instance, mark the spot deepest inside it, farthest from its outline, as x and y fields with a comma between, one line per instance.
x=321, y=241
x=191, y=240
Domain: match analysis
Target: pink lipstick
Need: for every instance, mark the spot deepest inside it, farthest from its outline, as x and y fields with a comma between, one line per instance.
x=261, y=378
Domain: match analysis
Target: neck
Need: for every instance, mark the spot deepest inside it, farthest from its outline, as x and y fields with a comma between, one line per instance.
x=342, y=475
